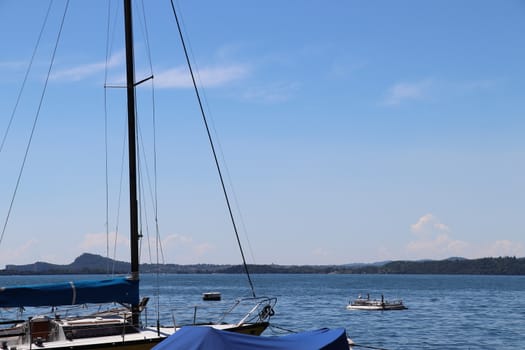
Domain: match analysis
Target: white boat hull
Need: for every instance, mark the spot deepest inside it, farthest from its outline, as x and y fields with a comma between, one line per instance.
x=375, y=304
x=146, y=338
x=376, y=307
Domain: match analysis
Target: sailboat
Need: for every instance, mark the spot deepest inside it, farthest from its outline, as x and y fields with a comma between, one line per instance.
x=121, y=327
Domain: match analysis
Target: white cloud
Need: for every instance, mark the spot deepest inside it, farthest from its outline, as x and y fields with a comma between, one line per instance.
x=178, y=77
x=505, y=248
x=441, y=227
x=86, y=70
x=183, y=249
x=174, y=239
x=202, y=249
x=209, y=77
x=98, y=243
x=176, y=247
x=431, y=89
x=405, y=91
x=441, y=246
x=427, y=224
x=321, y=252
x=13, y=65
x=421, y=223
x=275, y=93
x=432, y=239
x=20, y=253
x=175, y=77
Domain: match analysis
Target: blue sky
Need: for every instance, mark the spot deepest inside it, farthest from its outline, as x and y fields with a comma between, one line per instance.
x=351, y=131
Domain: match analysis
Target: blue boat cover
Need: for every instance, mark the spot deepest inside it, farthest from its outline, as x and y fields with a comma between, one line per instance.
x=120, y=290
x=208, y=338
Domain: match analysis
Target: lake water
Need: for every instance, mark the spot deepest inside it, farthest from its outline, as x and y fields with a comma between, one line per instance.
x=444, y=312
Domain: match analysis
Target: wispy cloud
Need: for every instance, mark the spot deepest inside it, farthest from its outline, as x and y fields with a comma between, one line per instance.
x=343, y=69
x=175, y=239
x=20, y=253
x=277, y=92
x=176, y=247
x=87, y=70
x=408, y=91
x=321, y=252
x=184, y=249
x=179, y=77
x=201, y=250
x=427, y=224
x=505, y=248
x=92, y=241
x=440, y=246
x=476, y=85
x=430, y=89
x=432, y=239
x=13, y=65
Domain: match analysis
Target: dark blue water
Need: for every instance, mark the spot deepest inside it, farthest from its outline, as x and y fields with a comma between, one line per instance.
x=444, y=312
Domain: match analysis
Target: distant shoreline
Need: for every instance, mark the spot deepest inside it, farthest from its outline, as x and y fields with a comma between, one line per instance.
x=96, y=264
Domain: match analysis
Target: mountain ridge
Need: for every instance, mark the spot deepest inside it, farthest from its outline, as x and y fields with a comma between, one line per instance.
x=88, y=263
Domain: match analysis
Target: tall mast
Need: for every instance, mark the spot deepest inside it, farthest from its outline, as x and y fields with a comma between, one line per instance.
x=132, y=151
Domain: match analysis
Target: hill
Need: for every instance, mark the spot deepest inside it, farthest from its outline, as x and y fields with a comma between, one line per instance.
x=96, y=264
x=85, y=264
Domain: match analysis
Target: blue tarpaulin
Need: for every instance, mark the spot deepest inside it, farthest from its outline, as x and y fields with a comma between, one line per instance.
x=208, y=338
x=120, y=290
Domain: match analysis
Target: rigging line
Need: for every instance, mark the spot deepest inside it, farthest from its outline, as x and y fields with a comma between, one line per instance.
x=147, y=175
x=109, y=45
x=113, y=31
x=244, y=229
x=106, y=145
x=141, y=186
x=35, y=121
x=158, y=243
x=213, y=148
x=223, y=160
x=123, y=155
x=110, y=33
x=153, y=192
x=273, y=328
x=144, y=218
x=143, y=213
x=230, y=182
x=15, y=108
x=154, y=127
x=146, y=37
x=109, y=49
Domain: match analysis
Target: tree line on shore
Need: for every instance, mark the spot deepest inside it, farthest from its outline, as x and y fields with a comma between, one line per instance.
x=96, y=264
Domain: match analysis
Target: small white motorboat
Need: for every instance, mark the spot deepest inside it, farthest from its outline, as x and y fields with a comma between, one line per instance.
x=374, y=304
